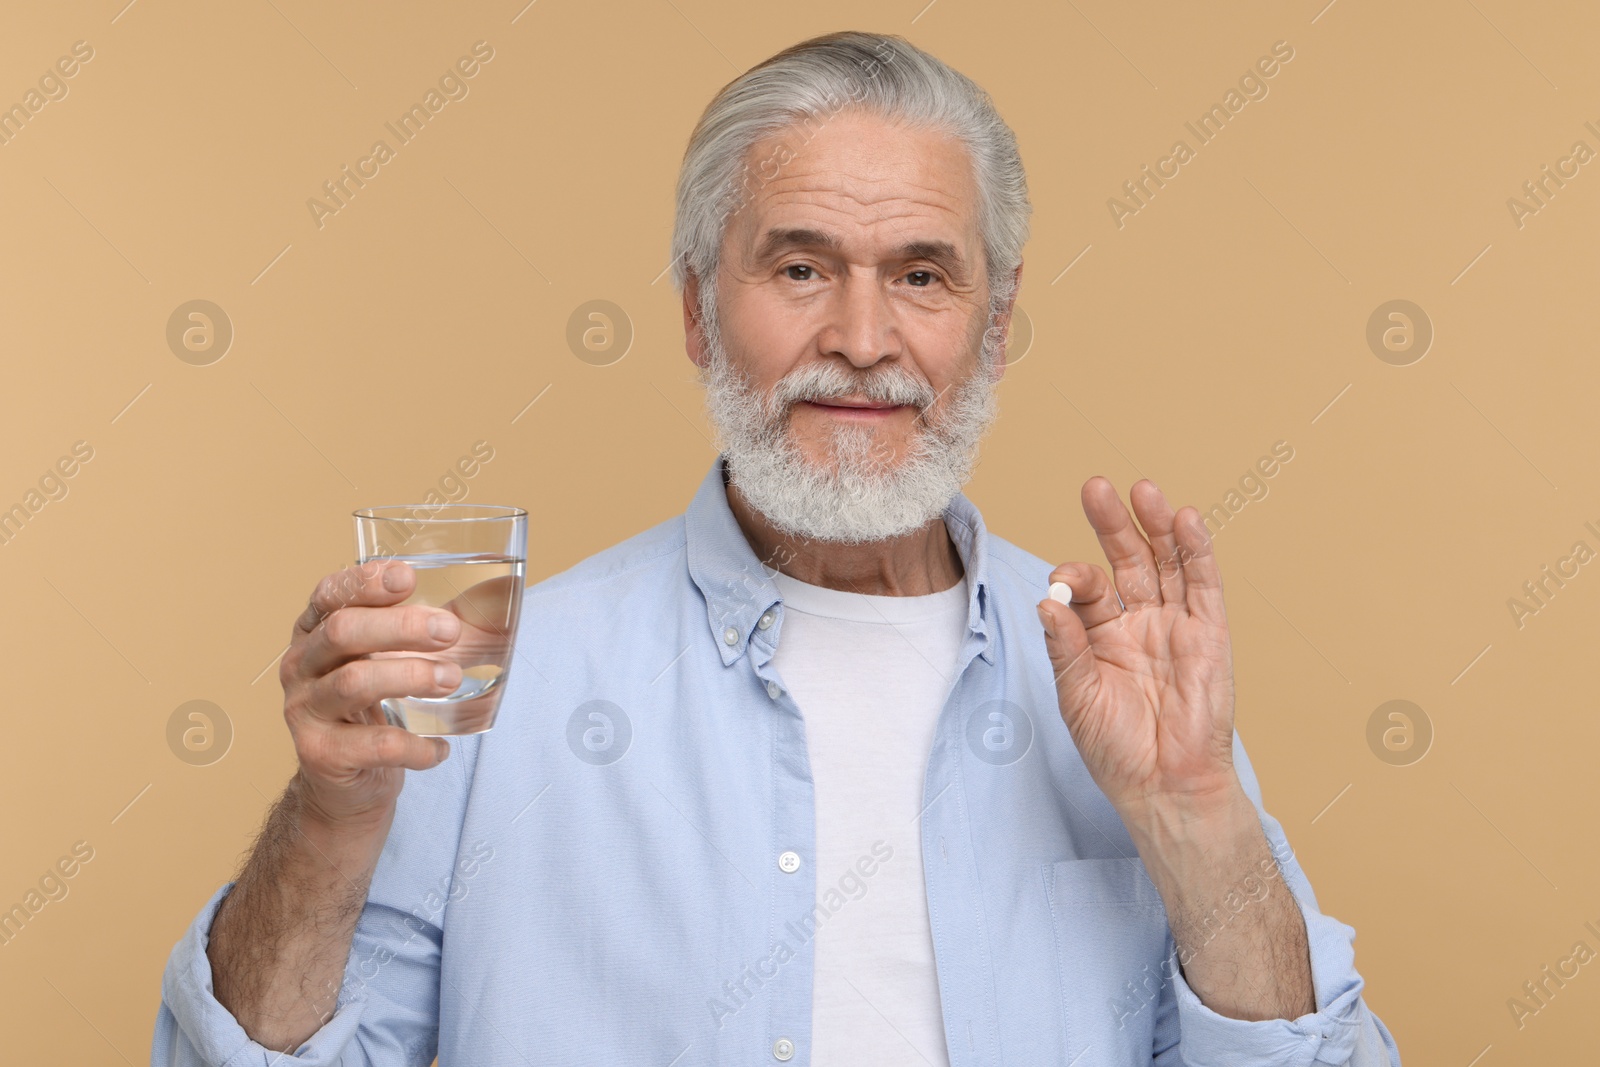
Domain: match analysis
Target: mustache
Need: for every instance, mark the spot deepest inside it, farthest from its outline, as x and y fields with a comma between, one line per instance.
x=829, y=381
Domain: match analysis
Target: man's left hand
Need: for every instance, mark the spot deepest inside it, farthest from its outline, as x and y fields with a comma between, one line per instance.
x=1146, y=682
x=1144, y=677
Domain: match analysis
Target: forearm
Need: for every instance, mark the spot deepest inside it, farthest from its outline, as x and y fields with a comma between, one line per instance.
x=1239, y=932
x=281, y=937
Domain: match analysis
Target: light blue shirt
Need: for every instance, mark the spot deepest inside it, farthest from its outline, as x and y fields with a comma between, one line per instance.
x=621, y=871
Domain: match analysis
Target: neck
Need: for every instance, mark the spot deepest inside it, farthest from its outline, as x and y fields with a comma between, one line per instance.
x=914, y=564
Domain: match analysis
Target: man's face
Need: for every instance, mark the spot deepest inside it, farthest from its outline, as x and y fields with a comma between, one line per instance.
x=845, y=363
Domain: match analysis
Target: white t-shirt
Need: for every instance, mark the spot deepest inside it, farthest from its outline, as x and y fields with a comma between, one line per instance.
x=870, y=675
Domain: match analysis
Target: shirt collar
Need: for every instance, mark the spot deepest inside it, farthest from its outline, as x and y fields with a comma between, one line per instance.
x=738, y=587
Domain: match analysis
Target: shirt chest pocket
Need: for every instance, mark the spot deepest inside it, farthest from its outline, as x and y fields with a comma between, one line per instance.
x=1113, y=953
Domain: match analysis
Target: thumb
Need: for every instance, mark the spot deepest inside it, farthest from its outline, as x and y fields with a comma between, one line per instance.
x=1071, y=657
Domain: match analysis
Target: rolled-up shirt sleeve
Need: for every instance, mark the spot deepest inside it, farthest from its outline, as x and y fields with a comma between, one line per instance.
x=386, y=1010
x=1342, y=1032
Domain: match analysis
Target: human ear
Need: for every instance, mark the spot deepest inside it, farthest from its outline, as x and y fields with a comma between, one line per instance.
x=1003, y=322
x=694, y=339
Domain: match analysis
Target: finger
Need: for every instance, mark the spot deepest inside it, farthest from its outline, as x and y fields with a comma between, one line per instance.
x=489, y=605
x=1133, y=566
x=374, y=583
x=1155, y=515
x=350, y=633
x=345, y=694
x=1094, y=601
x=336, y=748
x=1202, y=577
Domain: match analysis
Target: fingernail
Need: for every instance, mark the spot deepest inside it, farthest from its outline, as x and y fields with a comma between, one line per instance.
x=443, y=625
x=444, y=749
x=441, y=674
x=391, y=578
x=1049, y=623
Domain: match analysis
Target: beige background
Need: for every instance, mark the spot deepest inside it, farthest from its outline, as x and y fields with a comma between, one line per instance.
x=1228, y=314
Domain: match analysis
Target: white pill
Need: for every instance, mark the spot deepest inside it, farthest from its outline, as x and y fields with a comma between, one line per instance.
x=1061, y=592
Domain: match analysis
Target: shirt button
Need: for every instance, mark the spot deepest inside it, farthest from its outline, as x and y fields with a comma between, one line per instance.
x=765, y=622
x=731, y=636
x=773, y=690
x=788, y=863
x=783, y=1049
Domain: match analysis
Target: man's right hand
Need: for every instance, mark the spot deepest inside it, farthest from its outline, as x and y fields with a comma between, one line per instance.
x=352, y=762
x=279, y=942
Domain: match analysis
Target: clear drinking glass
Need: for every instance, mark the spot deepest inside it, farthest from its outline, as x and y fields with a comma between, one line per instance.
x=469, y=559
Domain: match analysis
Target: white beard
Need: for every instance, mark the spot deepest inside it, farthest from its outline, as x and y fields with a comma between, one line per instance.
x=859, y=495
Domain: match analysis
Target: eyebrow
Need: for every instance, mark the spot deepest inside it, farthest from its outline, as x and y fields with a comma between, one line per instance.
x=778, y=240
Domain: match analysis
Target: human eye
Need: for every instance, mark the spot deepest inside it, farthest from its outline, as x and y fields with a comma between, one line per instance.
x=808, y=272
x=922, y=279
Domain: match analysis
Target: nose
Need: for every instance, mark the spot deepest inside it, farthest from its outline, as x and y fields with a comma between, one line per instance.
x=861, y=322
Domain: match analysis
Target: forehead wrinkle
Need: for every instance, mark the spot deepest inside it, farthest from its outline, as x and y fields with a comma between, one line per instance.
x=860, y=188
x=823, y=190
x=889, y=212
x=892, y=211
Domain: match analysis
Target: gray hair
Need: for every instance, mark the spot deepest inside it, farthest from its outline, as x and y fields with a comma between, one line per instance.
x=811, y=82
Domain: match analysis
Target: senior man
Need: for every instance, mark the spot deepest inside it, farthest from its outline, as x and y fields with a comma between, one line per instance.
x=819, y=771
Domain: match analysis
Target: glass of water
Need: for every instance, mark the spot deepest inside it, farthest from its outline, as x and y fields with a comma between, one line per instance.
x=469, y=559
